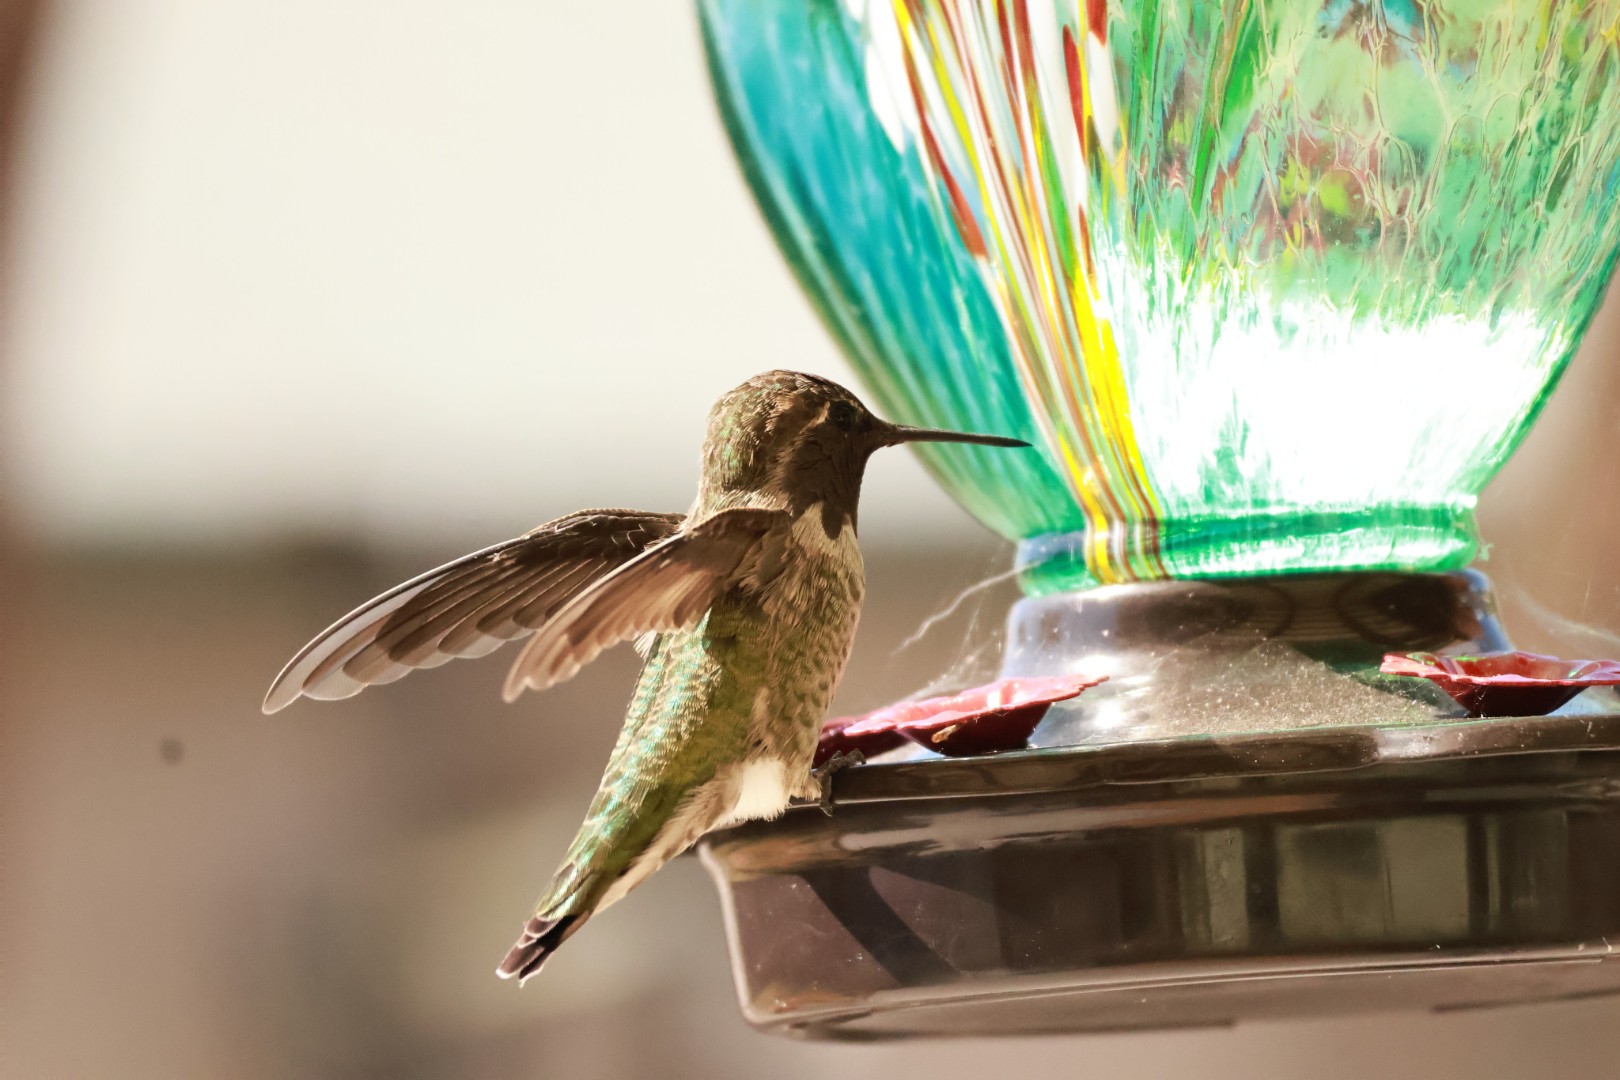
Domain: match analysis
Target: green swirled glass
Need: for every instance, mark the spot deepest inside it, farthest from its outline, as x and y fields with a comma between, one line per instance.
x=1275, y=286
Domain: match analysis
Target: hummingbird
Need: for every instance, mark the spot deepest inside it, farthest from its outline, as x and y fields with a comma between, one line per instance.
x=744, y=610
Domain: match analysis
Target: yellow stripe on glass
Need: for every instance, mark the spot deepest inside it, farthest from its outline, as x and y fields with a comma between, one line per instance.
x=1005, y=117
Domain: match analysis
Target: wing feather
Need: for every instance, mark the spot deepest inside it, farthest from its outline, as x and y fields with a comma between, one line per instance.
x=667, y=587
x=469, y=607
x=491, y=624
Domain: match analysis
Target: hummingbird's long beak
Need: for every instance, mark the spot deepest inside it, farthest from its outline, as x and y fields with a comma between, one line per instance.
x=894, y=434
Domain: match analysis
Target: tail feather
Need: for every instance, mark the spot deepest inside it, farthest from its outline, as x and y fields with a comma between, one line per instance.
x=606, y=861
x=535, y=945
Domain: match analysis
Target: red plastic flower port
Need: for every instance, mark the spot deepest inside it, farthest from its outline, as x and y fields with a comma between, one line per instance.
x=1506, y=683
x=997, y=716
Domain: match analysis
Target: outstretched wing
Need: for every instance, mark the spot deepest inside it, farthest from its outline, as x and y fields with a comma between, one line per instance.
x=667, y=587
x=469, y=607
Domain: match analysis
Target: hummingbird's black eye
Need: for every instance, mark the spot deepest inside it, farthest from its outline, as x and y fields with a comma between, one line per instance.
x=842, y=415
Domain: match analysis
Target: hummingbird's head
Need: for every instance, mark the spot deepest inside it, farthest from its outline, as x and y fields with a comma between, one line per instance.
x=803, y=440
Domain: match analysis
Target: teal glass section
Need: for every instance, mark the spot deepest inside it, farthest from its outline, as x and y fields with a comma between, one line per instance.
x=1276, y=287
x=856, y=220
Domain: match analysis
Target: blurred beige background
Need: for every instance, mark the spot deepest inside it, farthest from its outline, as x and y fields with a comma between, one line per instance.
x=303, y=297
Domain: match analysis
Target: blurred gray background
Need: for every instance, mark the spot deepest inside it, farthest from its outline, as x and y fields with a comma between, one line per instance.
x=300, y=298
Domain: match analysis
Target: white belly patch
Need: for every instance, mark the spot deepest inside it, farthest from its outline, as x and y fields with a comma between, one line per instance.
x=762, y=792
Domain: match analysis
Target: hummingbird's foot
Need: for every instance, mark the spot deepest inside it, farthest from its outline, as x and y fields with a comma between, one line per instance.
x=823, y=775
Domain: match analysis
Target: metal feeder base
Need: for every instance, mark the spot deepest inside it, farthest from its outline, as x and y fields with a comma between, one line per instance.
x=1187, y=882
